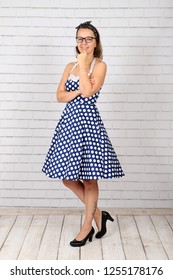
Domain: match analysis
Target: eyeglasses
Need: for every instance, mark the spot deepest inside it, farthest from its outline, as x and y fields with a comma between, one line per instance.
x=87, y=39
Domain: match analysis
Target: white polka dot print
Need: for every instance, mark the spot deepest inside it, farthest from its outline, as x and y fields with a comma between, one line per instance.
x=80, y=148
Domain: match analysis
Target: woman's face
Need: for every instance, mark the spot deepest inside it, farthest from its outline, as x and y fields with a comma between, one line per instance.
x=86, y=45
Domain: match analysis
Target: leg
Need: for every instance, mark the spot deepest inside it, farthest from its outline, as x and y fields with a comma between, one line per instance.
x=78, y=188
x=91, y=198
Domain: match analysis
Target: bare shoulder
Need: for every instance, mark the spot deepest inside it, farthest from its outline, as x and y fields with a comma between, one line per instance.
x=70, y=65
x=100, y=67
x=100, y=63
x=67, y=70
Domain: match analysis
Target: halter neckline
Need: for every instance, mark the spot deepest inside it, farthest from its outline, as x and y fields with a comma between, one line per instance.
x=90, y=71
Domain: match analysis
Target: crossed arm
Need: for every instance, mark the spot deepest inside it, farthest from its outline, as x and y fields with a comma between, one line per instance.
x=88, y=85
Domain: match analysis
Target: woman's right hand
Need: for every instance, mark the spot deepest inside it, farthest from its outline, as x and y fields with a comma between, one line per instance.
x=92, y=80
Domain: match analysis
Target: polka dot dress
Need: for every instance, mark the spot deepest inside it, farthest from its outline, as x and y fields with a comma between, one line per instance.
x=80, y=148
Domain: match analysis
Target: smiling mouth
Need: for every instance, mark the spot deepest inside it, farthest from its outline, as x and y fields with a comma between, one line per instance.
x=84, y=49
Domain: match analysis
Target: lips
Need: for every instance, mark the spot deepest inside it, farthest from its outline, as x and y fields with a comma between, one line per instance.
x=84, y=49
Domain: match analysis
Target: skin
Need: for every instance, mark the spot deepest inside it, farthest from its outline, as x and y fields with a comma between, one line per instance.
x=86, y=191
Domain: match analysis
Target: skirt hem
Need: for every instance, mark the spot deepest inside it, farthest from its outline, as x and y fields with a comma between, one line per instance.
x=84, y=178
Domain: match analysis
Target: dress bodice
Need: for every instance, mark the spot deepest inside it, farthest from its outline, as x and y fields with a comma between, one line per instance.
x=72, y=84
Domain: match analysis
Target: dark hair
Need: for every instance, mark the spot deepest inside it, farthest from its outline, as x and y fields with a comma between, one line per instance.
x=98, y=49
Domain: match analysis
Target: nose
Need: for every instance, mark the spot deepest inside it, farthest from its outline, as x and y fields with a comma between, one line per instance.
x=84, y=40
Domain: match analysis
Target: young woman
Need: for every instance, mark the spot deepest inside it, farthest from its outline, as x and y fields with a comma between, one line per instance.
x=81, y=152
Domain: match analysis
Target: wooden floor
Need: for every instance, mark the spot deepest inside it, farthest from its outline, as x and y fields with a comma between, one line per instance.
x=45, y=235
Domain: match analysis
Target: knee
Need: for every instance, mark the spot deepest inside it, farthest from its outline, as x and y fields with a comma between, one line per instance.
x=68, y=183
x=89, y=184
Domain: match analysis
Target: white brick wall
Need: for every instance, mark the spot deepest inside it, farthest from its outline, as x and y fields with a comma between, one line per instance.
x=136, y=103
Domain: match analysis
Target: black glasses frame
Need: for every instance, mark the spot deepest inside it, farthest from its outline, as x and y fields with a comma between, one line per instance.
x=88, y=39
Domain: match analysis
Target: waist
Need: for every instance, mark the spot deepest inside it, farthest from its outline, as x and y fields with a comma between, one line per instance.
x=81, y=102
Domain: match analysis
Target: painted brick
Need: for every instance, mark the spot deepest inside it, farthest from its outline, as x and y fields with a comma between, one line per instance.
x=135, y=103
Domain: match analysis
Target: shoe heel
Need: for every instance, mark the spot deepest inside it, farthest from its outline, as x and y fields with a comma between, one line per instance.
x=90, y=238
x=110, y=218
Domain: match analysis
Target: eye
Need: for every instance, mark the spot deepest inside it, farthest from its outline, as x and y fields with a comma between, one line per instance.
x=79, y=39
x=89, y=39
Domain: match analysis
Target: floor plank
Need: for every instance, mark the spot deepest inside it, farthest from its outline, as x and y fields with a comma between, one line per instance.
x=132, y=244
x=15, y=238
x=71, y=227
x=111, y=243
x=92, y=250
x=50, y=242
x=6, y=223
x=30, y=248
x=165, y=234
x=153, y=246
x=170, y=221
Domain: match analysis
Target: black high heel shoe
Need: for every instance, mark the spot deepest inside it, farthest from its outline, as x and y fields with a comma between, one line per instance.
x=105, y=216
x=79, y=243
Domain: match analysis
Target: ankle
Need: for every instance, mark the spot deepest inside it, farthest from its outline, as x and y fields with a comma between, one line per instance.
x=97, y=213
x=97, y=218
x=87, y=225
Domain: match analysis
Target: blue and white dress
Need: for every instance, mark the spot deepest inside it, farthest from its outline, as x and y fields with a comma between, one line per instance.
x=80, y=148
